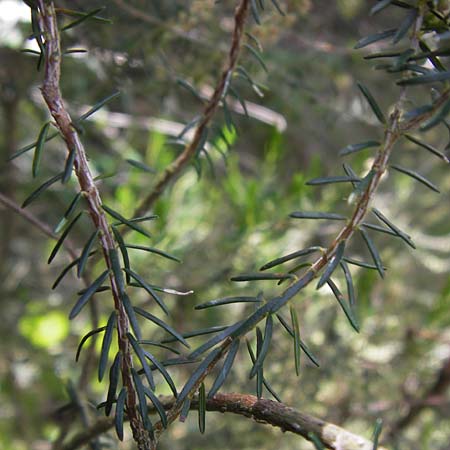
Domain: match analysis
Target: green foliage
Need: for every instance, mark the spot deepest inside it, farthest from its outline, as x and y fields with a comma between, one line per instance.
x=230, y=213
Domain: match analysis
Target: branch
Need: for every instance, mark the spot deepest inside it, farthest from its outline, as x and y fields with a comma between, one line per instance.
x=54, y=100
x=394, y=129
x=261, y=411
x=174, y=169
x=31, y=218
x=415, y=407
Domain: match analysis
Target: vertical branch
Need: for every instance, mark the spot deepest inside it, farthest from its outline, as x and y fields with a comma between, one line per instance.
x=53, y=98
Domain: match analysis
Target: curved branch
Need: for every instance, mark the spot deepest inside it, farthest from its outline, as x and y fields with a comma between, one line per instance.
x=174, y=169
x=261, y=411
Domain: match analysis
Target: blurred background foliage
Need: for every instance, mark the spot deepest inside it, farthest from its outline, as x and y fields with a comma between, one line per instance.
x=226, y=217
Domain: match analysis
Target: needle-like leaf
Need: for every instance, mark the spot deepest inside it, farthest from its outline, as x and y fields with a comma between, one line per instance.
x=85, y=253
x=62, y=238
x=372, y=102
x=106, y=344
x=81, y=302
x=42, y=138
x=295, y=327
x=163, y=325
x=227, y=365
x=265, y=346
x=120, y=409
x=85, y=338
x=147, y=288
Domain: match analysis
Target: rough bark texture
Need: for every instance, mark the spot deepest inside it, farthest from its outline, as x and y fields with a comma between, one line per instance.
x=261, y=411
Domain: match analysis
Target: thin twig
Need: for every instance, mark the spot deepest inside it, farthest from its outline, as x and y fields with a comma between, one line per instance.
x=31, y=218
x=261, y=411
x=174, y=169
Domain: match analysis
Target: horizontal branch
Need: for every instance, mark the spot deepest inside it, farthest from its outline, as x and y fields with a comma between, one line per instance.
x=261, y=411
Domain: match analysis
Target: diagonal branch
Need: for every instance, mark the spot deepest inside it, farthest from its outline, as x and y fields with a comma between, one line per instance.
x=261, y=411
x=415, y=407
x=175, y=168
x=31, y=218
